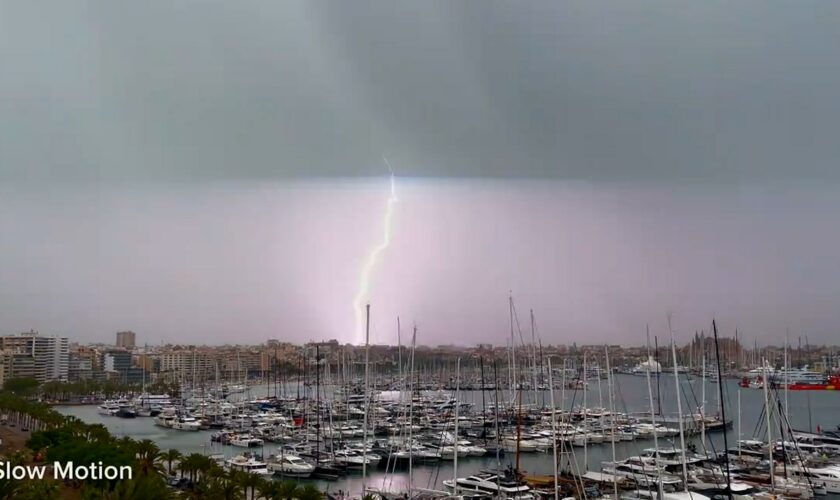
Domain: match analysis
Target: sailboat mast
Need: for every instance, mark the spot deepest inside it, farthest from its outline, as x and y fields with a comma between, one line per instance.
x=496, y=420
x=722, y=412
x=483, y=402
x=554, y=431
x=318, y=401
x=512, y=352
x=455, y=443
x=679, y=407
x=703, y=403
x=767, y=410
x=533, y=356
x=367, y=398
x=653, y=412
x=739, y=421
x=611, y=397
x=411, y=413
x=585, y=419
x=787, y=373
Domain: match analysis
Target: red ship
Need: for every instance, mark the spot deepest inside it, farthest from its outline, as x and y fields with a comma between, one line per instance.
x=832, y=383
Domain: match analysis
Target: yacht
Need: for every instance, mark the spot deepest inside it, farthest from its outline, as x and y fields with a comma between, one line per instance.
x=351, y=459
x=416, y=454
x=670, y=457
x=503, y=485
x=643, y=471
x=110, y=407
x=171, y=421
x=248, y=464
x=150, y=405
x=246, y=441
x=525, y=445
x=827, y=476
x=290, y=466
x=650, y=366
x=186, y=424
x=126, y=411
x=645, y=430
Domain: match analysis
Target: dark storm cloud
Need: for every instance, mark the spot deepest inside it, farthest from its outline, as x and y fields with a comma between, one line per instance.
x=584, y=90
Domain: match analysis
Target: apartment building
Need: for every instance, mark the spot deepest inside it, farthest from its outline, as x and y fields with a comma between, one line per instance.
x=32, y=355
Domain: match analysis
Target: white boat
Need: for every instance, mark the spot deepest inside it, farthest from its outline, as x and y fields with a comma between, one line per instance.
x=150, y=401
x=643, y=471
x=649, y=366
x=417, y=454
x=247, y=464
x=246, y=441
x=448, y=452
x=645, y=430
x=669, y=457
x=109, y=408
x=827, y=477
x=164, y=420
x=186, y=424
x=177, y=423
x=476, y=451
x=525, y=445
x=491, y=483
x=351, y=459
x=290, y=466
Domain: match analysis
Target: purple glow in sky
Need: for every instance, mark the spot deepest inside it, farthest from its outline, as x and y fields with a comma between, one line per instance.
x=248, y=262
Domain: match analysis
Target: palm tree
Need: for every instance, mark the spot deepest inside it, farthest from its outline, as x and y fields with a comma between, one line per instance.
x=251, y=481
x=310, y=492
x=237, y=477
x=195, y=462
x=170, y=456
x=186, y=467
x=223, y=489
x=288, y=489
x=270, y=490
x=205, y=467
x=128, y=444
x=148, y=456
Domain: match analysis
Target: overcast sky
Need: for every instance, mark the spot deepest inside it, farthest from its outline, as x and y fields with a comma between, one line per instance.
x=203, y=171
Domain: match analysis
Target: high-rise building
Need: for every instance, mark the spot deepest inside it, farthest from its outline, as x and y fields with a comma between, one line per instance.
x=34, y=356
x=126, y=339
x=80, y=368
x=118, y=365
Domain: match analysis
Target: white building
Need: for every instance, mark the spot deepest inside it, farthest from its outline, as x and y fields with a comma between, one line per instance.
x=30, y=354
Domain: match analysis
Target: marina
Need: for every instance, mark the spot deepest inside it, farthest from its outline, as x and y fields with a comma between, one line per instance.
x=412, y=443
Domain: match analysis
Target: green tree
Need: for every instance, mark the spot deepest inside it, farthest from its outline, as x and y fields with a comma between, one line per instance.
x=21, y=386
x=170, y=456
x=221, y=488
x=288, y=489
x=310, y=492
x=270, y=490
x=148, y=457
x=251, y=481
x=37, y=490
x=9, y=487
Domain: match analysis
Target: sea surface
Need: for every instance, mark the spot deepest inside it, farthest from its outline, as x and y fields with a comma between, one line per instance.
x=808, y=410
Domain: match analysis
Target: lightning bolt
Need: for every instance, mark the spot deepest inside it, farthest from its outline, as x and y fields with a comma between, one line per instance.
x=370, y=262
